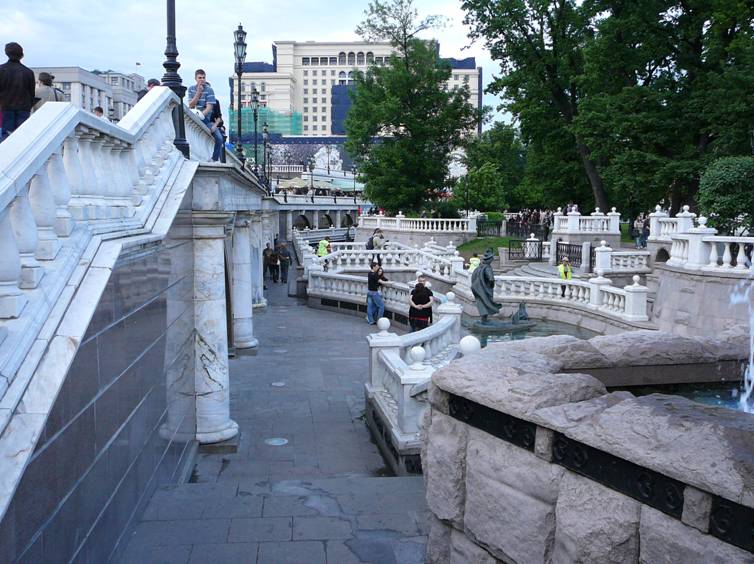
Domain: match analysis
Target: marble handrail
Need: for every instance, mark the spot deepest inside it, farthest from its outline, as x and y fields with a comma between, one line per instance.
x=596, y=223
x=626, y=304
x=725, y=261
x=68, y=177
x=415, y=259
x=421, y=224
x=303, y=199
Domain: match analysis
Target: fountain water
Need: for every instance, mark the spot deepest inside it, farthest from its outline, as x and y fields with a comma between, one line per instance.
x=744, y=294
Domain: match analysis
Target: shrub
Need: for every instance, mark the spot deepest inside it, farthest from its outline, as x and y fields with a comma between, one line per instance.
x=726, y=193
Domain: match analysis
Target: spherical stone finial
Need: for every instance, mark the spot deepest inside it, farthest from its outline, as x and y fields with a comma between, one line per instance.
x=702, y=221
x=383, y=324
x=636, y=279
x=603, y=243
x=658, y=208
x=600, y=273
x=560, y=210
x=451, y=297
x=456, y=253
x=686, y=208
x=418, y=354
x=614, y=210
x=531, y=236
x=596, y=210
x=469, y=344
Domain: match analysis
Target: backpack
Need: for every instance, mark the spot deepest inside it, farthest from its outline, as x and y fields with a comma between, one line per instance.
x=370, y=244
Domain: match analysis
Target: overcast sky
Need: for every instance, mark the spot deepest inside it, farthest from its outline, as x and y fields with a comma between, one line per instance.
x=119, y=33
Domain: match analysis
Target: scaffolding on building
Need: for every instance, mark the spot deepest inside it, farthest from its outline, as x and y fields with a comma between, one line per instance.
x=284, y=123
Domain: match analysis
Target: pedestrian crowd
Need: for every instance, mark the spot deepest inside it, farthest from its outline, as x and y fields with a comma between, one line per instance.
x=276, y=262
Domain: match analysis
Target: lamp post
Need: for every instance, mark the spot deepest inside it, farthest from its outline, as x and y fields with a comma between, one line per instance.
x=265, y=140
x=239, y=48
x=172, y=80
x=311, y=178
x=255, y=109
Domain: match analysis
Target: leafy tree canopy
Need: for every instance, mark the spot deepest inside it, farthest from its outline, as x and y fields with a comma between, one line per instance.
x=407, y=105
x=726, y=194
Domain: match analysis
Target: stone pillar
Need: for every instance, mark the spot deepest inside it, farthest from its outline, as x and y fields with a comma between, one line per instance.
x=614, y=218
x=586, y=257
x=76, y=93
x=573, y=220
x=338, y=219
x=243, y=325
x=288, y=225
x=211, y=376
x=654, y=223
x=699, y=251
x=636, y=301
x=452, y=309
x=602, y=257
x=595, y=289
x=685, y=220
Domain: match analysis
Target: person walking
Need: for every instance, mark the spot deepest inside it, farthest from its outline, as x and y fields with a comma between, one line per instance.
x=420, y=310
x=16, y=90
x=474, y=263
x=375, y=303
x=275, y=266
x=266, y=261
x=323, y=249
x=564, y=273
x=285, y=261
x=638, y=227
x=644, y=233
x=46, y=92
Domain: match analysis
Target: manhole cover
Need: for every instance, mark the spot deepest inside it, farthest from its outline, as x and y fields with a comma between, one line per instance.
x=278, y=384
x=276, y=441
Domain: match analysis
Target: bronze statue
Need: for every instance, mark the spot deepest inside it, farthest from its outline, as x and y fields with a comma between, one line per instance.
x=483, y=285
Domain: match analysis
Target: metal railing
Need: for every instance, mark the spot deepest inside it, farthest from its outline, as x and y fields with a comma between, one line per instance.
x=573, y=252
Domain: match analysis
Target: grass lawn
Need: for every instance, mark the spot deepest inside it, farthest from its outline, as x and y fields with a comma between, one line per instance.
x=625, y=233
x=481, y=244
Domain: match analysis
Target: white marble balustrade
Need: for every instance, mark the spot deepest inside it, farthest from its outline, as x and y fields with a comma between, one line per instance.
x=421, y=224
x=573, y=222
x=68, y=177
x=723, y=258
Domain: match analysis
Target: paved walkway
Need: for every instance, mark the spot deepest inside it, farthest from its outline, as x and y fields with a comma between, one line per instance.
x=323, y=496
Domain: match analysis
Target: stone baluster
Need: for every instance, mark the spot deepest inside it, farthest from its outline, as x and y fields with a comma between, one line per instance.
x=42, y=203
x=61, y=190
x=103, y=169
x=88, y=162
x=25, y=233
x=740, y=257
x=12, y=299
x=636, y=301
x=72, y=163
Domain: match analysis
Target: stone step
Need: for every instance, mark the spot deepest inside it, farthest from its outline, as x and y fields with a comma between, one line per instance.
x=333, y=520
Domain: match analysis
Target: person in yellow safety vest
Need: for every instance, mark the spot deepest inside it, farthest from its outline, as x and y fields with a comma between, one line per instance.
x=474, y=262
x=323, y=249
x=564, y=273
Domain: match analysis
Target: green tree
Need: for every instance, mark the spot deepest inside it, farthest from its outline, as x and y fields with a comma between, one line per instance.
x=407, y=105
x=482, y=188
x=670, y=87
x=539, y=46
x=726, y=193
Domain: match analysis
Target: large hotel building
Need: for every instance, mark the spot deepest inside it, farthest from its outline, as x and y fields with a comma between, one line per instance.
x=304, y=91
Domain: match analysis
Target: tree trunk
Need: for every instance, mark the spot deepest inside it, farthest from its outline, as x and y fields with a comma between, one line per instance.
x=595, y=180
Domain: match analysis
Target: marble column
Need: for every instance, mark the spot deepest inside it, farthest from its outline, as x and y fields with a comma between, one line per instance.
x=289, y=226
x=243, y=324
x=257, y=243
x=337, y=219
x=76, y=95
x=211, y=377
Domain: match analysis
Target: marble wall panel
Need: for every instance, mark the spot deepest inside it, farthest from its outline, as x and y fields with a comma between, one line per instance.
x=122, y=420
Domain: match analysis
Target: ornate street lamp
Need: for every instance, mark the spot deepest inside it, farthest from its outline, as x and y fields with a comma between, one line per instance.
x=172, y=80
x=255, y=109
x=265, y=141
x=239, y=48
x=311, y=178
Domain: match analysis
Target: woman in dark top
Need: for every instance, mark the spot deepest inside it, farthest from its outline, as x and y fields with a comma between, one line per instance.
x=421, y=307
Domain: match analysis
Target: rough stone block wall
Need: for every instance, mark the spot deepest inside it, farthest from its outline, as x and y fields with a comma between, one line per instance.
x=496, y=495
